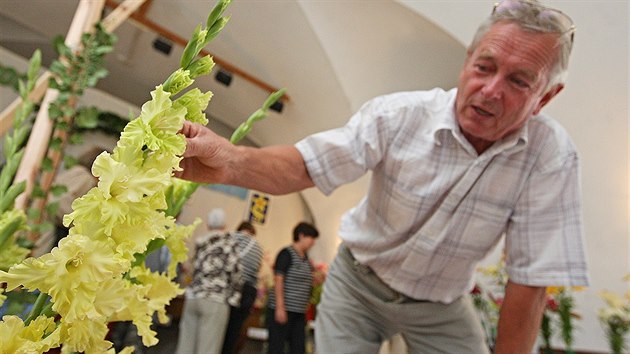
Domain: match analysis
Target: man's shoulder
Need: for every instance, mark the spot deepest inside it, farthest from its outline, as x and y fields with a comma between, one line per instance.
x=436, y=96
x=544, y=129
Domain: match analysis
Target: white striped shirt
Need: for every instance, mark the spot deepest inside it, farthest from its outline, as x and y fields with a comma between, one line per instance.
x=250, y=256
x=525, y=186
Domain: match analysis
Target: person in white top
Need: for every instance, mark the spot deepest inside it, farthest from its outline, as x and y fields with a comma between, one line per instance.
x=452, y=172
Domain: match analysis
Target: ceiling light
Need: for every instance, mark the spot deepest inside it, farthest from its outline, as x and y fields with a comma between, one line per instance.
x=223, y=76
x=163, y=45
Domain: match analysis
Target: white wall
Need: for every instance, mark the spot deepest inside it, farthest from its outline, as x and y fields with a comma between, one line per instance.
x=594, y=109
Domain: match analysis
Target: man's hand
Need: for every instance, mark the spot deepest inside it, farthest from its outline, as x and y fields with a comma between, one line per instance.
x=210, y=158
x=207, y=155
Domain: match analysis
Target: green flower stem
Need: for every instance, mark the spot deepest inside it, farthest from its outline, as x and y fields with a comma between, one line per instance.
x=546, y=332
x=37, y=308
x=259, y=114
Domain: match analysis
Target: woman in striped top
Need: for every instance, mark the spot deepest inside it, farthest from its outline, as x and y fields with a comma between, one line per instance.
x=293, y=279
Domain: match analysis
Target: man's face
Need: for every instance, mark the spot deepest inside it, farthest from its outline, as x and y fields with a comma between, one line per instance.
x=502, y=83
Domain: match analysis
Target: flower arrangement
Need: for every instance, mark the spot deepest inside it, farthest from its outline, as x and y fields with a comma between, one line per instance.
x=559, y=311
x=96, y=275
x=615, y=318
x=487, y=297
x=319, y=276
x=560, y=306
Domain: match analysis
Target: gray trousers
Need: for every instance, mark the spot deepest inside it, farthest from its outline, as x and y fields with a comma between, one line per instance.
x=202, y=326
x=358, y=312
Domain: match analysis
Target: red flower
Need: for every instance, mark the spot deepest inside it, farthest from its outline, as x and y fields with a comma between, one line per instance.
x=552, y=304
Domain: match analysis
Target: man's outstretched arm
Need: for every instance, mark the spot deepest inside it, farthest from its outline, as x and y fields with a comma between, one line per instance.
x=210, y=158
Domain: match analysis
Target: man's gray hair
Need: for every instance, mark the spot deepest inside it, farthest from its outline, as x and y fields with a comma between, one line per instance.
x=527, y=17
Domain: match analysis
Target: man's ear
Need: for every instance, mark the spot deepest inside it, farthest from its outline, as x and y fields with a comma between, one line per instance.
x=548, y=96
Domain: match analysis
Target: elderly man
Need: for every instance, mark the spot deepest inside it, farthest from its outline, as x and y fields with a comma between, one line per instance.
x=452, y=171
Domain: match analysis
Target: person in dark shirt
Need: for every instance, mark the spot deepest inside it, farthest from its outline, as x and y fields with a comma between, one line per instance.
x=293, y=283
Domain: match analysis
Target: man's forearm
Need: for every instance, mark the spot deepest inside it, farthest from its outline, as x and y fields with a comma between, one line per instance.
x=275, y=169
x=519, y=320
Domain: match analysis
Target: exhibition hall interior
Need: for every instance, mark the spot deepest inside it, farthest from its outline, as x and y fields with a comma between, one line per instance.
x=283, y=70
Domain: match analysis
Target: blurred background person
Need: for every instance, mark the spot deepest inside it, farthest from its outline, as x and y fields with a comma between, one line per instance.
x=289, y=298
x=250, y=258
x=216, y=283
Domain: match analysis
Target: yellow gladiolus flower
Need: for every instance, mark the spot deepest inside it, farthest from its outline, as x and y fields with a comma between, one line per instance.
x=16, y=338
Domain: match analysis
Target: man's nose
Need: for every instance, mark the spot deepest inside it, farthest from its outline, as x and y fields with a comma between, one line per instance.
x=493, y=88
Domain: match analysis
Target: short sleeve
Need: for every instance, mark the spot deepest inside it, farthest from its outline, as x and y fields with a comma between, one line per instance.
x=545, y=244
x=283, y=262
x=339, y=156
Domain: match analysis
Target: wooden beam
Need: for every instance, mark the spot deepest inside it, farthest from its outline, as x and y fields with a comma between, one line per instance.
x=121, y=13
x=162, y=31
x=87, y=14
x=110, y=23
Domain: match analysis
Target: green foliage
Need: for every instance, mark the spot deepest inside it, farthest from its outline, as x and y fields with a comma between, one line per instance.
x=259, y=114
x=546, y=332
x=565, y=308
x=87, y=118
x=10, y=77
x=12, y=220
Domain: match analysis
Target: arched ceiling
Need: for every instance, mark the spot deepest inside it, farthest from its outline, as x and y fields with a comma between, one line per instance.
x=331, y=56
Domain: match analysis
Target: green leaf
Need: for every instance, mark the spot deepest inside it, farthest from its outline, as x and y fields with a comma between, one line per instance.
x=47, y=164
x=90, y=82
x=69, y=161
x=53, y=84
x=55, y=143
x=76, y=139
x=58, y=189
x=100, y=73
x=24, y=243
x=103, y=49
x=33, y=213
x=8, y=171
x=68, y=111
x=59, y=69
x=9, y=77
x=9, y=229
x=12, y=193
x=58, y=42
x=22, y=89
x=52, y=208
x=87, y=118
x=9, y=146
x=62, y=126
x=34, y=65
x=54, y=111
